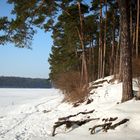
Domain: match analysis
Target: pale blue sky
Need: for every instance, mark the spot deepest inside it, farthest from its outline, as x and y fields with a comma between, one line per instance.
x=24, y=62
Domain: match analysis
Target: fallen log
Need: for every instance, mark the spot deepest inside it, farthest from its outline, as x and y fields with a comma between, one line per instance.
x=106, y=126
x=100, y=82
x=89, y=101
x=119, y=123
x=109, y=119
x=69, y=123
x=113, y=119
x=70, y=116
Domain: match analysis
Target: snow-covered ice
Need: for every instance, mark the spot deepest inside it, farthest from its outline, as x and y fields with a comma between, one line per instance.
x=29, y=114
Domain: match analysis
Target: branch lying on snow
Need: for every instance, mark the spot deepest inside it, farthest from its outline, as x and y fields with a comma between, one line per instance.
x=106, y=126
x=70, y=116
x=100, y=82
x=95, y=86
x=89, y=101
x=69, y=123
x=119, y=123
x=109, y=119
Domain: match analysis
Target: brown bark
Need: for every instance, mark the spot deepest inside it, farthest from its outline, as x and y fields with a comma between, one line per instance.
x=126, y=50
x=120, y=59
x=116, y=64
x=117, y=59
x=99, y=61
x=84, y=70
x=70, y=116
x=137, y=29
x=70, y=123
x=104, y=53
x=131, y=23
x=100, y=57
x=134, y=41
x=113, y=47
x=106, y=126
x=81, y=36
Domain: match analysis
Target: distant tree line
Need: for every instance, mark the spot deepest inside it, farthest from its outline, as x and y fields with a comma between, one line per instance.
x=18, y=82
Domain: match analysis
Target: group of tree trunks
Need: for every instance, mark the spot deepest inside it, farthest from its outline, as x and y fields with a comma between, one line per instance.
x=95, y=39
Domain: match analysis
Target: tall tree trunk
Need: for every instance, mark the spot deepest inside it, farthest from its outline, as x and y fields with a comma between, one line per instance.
x=99, y=60
x=90, y=61
x=100, y=57
x=131, y=23
x=84, y=77
x=120, y=40
x=117, y=58
x=116, y=64
x=131, y=28
x=137, y=30
x=126, y=50
x=134, y=41
x=113, y=46
x=93, y=63
x=104, y=53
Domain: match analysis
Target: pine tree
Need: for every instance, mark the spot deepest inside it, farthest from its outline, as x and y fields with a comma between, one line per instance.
x=88, y=39
x=126, y=51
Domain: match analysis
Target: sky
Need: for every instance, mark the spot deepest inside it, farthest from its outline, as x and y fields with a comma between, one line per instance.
x=24, y=62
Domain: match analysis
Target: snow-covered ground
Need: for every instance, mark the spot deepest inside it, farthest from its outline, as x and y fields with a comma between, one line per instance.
x=29, y=114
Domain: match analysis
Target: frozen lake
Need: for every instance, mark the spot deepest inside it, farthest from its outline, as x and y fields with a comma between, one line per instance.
x=14, y=96
x=22, y=112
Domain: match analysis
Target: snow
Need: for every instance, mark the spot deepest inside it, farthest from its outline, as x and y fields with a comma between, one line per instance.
x=29, y=114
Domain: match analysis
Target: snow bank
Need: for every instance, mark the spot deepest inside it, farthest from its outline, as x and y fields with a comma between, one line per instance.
x=30, y=114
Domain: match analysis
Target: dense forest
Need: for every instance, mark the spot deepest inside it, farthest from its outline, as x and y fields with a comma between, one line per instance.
x=91, y=39
x=18, y=82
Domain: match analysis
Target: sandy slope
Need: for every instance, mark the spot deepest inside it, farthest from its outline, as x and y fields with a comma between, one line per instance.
x=30, y=115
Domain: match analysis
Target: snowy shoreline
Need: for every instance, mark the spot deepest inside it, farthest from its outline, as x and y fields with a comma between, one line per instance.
x=29, y=114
